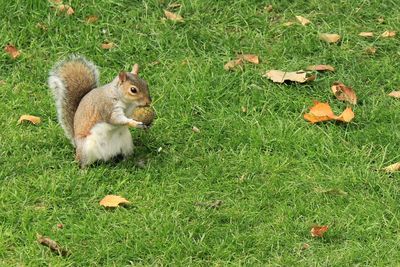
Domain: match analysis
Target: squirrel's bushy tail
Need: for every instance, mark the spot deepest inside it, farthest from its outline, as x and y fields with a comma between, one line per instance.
x=70, y=80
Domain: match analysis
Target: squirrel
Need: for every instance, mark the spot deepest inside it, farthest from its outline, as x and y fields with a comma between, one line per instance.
x=96, y=119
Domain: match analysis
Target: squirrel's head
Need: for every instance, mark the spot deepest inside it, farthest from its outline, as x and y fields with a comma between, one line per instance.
x=134, y=89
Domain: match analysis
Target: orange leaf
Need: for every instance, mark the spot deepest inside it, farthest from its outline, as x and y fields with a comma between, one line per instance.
x=344, y=93
x=330, y=37
x=387, y=34
x=91, y=19
x=66, y=8
x=303, y=20
x=321, y=68
x=323, y=112
x=366, y=34
x=33, y=119
x=107, y=45
x=250, y=58
x=113, y=201
x=395, y=94
x=172, y=16
x=318, y=231
x=12, y=51
x=279, y=76
x=232, y=64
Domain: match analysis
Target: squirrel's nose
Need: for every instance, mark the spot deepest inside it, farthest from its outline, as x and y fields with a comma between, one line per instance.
x=148, y=101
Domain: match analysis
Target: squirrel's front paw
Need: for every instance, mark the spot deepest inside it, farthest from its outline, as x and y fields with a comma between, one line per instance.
x=137, y=124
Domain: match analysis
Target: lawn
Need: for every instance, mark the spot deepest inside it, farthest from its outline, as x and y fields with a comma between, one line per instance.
x=276, y=175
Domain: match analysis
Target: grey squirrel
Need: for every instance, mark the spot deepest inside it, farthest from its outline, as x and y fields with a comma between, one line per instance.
x=96, y=119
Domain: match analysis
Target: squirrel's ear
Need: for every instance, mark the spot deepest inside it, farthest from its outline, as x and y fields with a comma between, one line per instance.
x=135, y=69
x=122, y=76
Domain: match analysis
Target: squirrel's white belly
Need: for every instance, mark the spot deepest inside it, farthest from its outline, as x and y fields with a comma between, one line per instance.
x=106, y=141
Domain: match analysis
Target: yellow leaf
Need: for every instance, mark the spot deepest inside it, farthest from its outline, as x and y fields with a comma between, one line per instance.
x=330, y=37
x=395, y=94
x=279, y=76
x=388, y=34
x=172, y=16
x=32, y=119
x=322, y=112
x=303, y=20
x=366, y=34
x=113, y=201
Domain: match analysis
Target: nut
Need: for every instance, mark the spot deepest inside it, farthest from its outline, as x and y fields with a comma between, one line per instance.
x=144, y=114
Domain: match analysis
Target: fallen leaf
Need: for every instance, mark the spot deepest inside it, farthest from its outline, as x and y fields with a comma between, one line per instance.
x=92, y=19
x=195, y=129
x=232, y=64
x=250, y=58
x=107, y=45
x=174, y=5
x=366, y=34
x=289, y=23
x=65, y=8
x=388, y=34
x=370, y=50
x=46, y=241
x=303, y=20
x=305, y=246
x=318, y=231
x=60, y=225
x=279, y=76
x=42, y=26
x=392, y=168
x=395, y=94
x=331, y=191
x=344, y=93
x=33, y=119
x=381, y=20
x=12, y=51
x=70, y=11
x=321, y=68
x=113, y=201
x=323, y=112
x=268, y=8
x=330, y=37
x=172, y=16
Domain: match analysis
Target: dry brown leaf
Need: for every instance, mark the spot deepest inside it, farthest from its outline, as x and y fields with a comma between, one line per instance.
x=174, y=5
x=303, y=20
x=388, y=34
x=32, y=119
x=323, y=112
x=113, y=201
x=370, y=50
x=344, y=93
x=318, y=231
x=366, y=34
x=279, y=76
x=46, y=241
x=41, y=26
x=60, y=225
x=395, y=94
x=195, y=129
x=92, y=19
x=232, y=64
x=330, y=37
x=172, y=16
x=107, y=45
x=305, y=246
x=321, y=68
x=392, y=168
x=250, y=58
x=268, y=8
x=65, y=8
x=12, y=51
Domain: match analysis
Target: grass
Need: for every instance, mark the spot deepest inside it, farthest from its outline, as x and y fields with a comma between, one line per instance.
x=267, y=165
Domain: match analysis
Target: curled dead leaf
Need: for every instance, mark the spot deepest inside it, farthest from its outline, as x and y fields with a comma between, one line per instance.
x=32, y=119
x=319, y=231
x=53, y=245
x=388, y=34
x=303, y=20
x=392, y=168
x=323, y=112
x=330, y=37
x=344, y=93
x=113, y=201
x=370, y=50
x=232, y=64
x=366, y=34
x=321, y=68
x=173, y=16
x=195, y=129
x=249, y=58
x=395, y=94
x=91, y=19
x=107, y=45
x=12, y=51
x=268, y=8
x=279, y=76
x=65, y=8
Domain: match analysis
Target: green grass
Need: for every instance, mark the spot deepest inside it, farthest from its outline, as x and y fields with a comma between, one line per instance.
x=265, y=165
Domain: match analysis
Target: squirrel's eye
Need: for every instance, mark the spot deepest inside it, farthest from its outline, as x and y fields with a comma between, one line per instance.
x=133, y=90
